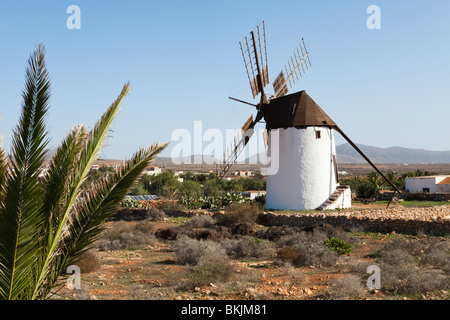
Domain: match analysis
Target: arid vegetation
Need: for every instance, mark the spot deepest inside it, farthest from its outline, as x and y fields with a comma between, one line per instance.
x=198, y=257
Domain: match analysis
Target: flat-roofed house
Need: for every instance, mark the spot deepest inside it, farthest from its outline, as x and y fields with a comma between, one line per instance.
x=428, y=184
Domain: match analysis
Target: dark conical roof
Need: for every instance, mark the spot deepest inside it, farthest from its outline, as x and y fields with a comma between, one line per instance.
x=296, y=110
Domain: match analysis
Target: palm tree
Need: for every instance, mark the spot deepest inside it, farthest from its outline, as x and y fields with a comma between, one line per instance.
x=375, y=179
x=48, y=219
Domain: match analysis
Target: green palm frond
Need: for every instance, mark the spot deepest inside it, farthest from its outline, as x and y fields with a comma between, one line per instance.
x=99, y=203
x=104, y=197
x=47, y=222
x=20, y=219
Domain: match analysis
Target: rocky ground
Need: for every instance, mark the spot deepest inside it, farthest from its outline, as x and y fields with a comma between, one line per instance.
x=152, y=272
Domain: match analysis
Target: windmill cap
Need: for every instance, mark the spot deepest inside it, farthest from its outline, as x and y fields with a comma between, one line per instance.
x=296, y=110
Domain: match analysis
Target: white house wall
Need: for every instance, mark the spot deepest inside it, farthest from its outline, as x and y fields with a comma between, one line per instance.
x=417, y=184
x=306, y=175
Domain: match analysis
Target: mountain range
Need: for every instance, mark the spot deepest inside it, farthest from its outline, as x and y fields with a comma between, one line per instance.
x=347, y=154
x=393, y=155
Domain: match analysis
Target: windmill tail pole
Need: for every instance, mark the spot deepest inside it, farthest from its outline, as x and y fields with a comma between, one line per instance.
x=242, y=101
x=366, y=158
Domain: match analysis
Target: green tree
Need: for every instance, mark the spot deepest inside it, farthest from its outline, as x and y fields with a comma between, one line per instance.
x=46, y=223
x=376, y=180
x=366, y=190
x=399, y=182
x=191, y=189
x=159, y=184
x=212, y=188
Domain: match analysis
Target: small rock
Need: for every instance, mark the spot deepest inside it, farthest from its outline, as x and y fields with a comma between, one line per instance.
x=197, y=289
x=249, y=293
x=307, y=291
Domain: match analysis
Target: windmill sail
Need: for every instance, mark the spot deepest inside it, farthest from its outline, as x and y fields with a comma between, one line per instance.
x=238, y=145
x=253, y=48
x=293, y=71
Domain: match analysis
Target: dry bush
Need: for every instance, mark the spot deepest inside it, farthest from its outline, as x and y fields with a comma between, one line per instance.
x=413, y=247
x=397, y=257
x=346, y=288
x=213, y=267
x=248, y=247
x=437, y=255
x=408, y=279
x=402, y=274
x=308, y=254
x=201, y=221
x=302, y=237
x=239, y=213
x=190, y=251
x=306, y=249
x=155, y=214
x=358, y=267
x=89, y=261
x=122, y=236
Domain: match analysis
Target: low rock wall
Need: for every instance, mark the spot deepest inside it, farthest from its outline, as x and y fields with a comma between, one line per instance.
x=432, y=220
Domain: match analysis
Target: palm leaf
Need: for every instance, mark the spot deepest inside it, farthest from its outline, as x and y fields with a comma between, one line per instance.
x=87, y=155
x=101, y=201
x=20, y=219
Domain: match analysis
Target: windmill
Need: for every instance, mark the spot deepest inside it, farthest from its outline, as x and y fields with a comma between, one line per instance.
x=307, y=176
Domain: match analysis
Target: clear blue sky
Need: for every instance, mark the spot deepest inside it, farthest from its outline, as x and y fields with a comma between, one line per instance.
x=387, y=87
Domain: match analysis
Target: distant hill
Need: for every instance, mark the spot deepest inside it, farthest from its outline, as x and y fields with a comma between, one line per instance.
x=345, y=154
x=393, y=155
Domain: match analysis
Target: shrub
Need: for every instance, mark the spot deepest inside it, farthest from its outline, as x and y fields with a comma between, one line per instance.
x=156, y=214
x=233, y=197
x=346, y=288
x=190, y=251
x=357, y=267
x=408, y=279
x=397, y=257
x=124, y=236
x=302, y=237
x=131, y=203
x=308, y=254
x=248, y=247
x=412, y=247
x=437, y=255
x=88, y=262
x=212, y=267
x=171, y=206
x=288, y=254
x=261, y=200
x=202, y=221
x=339, y=246
x=239, y=213
x=306, y=249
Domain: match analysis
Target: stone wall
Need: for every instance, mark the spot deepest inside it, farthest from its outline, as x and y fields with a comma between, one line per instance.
x=432, y=220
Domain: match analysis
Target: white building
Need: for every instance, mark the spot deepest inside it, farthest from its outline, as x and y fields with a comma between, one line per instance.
x=429, y=184
x=153, y=171
x=307, y=176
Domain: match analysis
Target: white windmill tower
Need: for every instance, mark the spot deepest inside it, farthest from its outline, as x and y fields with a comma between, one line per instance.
x=307, y=176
